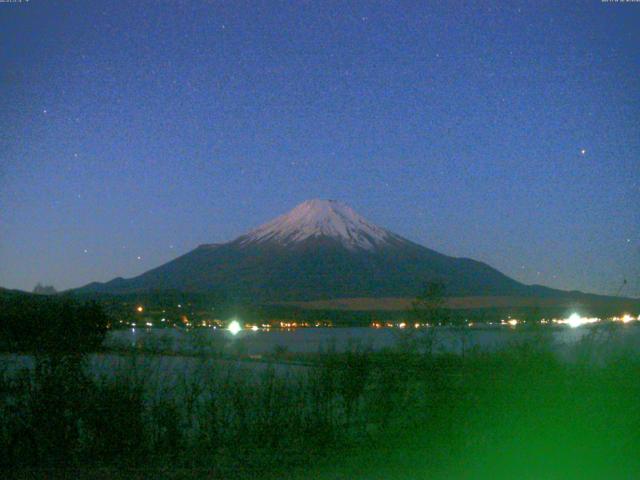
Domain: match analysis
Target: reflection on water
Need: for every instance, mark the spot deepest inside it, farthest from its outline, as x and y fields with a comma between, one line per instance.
x=312, y=340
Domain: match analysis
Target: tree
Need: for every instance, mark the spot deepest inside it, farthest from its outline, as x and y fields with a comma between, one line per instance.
x=430, y=307
x=59, y=332
x=428, y=310
x=52, y=326
x=44, y=289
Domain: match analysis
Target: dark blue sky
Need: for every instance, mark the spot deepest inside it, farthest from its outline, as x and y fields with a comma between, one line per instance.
x=132, y=131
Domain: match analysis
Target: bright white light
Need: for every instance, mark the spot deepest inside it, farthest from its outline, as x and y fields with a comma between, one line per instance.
x=254, y=328
x=575, y=320
x=234, y=327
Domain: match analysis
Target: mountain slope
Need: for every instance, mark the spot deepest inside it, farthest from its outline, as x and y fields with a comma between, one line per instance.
x=321, y=249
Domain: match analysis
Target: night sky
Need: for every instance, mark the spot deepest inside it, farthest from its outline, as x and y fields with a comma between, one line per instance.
x=132, y=131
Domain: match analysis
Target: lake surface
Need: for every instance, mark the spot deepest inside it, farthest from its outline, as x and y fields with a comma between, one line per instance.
x=176, y=365
x=313, y=340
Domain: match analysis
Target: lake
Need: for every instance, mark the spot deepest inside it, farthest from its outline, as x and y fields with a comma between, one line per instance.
x=313, y=340
x=162, y=373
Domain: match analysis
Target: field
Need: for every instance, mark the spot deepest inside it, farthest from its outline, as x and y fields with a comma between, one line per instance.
x=582, y=302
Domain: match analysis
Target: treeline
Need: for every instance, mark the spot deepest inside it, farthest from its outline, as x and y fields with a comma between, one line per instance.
x=50, y=325
x=224, y=308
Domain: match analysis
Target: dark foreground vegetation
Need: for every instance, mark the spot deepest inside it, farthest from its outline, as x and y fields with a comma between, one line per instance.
x=397, y=414
x=516, y=414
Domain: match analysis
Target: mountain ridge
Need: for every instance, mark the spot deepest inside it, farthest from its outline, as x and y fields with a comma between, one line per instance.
x=321, y=249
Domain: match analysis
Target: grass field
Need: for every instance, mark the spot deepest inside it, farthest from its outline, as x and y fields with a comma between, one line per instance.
x=584, y=302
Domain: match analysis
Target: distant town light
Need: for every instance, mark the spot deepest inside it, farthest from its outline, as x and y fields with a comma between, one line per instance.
x=234, y=327
x=626, y=318
x=254, y=328
x=140, y=309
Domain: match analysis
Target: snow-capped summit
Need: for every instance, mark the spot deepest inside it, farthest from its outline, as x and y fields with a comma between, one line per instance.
x=321, y=218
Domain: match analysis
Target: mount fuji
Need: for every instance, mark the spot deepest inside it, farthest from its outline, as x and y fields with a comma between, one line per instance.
x=322, y=249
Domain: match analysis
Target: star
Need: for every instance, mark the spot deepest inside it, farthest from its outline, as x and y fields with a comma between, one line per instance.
x=583, y=151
